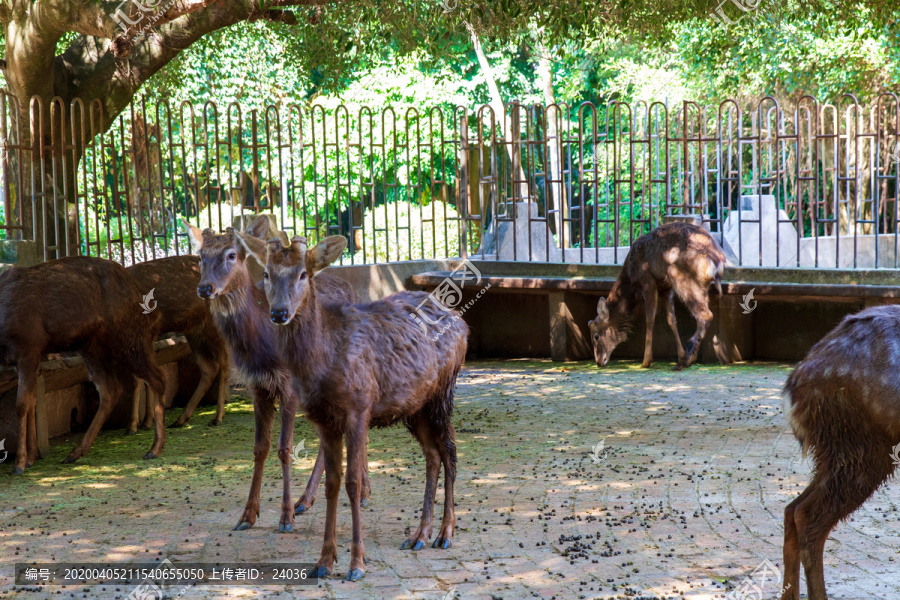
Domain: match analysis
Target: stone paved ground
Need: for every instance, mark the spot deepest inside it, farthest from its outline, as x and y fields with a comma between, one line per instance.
x=683, y=499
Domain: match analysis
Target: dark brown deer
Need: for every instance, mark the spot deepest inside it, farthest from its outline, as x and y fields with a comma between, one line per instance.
x=241, y=313
x=674, y=259
x=77, y=303
x=842, y=405
x=173, y=282
x=362, y=365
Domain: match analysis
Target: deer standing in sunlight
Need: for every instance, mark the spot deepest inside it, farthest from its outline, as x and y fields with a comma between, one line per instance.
x=676, y=259
x=361, y=365
x=241, y=312
x=843, y=404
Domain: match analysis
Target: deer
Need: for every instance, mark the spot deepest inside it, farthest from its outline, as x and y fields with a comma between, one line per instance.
x=77, y=303
x=675, y=259
x=356, y=366
x=171, y=284
x=841, y=402
x=240, y=311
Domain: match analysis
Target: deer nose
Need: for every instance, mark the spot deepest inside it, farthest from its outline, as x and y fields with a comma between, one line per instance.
x=279, y=316
x=204, y=291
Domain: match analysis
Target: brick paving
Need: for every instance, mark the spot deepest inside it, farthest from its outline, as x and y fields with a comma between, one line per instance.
x=683, y=499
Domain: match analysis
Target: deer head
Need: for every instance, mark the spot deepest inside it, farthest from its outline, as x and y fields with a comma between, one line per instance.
x=605, y=335
x=223, y=256
x=290, y=270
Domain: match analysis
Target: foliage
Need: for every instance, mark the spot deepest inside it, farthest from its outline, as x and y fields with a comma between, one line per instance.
x=409, y=231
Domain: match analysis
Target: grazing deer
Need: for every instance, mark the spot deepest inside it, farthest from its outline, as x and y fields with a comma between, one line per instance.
x=674, y=259
x=77, y=303
x=362, y=365
x=241, y=313
x=842, y=405
x=174, y=281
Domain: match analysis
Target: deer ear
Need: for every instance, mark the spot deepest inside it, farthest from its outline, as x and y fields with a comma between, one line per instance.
x=259, y=228
x=602, y=310
x=195, y=234
x=254, y=246
x=325, y=252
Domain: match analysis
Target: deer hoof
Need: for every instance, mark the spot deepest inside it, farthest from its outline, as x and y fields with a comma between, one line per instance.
x=442, y=543
x=215, y=422
x=646, y=365
x=302, y=507
x=320, y=572
x=285, y=527
x=151, y=456
x=408, y=544
x=242, y=526
x=131, y=432
x=177, y=425
x=364, y=502
x=69, y=459
x=355, y=574
x=18, y=471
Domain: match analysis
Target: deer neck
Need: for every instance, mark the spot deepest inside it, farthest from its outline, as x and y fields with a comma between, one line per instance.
x=237, y=298
x=622, y=301
x=309, y=346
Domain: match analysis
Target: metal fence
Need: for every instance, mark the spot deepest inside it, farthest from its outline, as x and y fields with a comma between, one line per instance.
x=806, y=185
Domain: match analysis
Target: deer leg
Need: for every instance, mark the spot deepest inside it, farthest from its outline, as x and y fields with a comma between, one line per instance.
x=285, y=455
x=835, y=494
x=698, y=305
x=136, y=398
x=357, y=437
x=149, y=415
x=366, y=485
x=670, y=319
x=312, y=486
x=264, y=414
x=208, y=371
x=650, y=313
x=25, y=403
x=427, y=439
x=32, y=437
x=110, y=390
x=791, y=549
x=223, y=394
x=147, y=370
x=334, y=450
x=447, y=450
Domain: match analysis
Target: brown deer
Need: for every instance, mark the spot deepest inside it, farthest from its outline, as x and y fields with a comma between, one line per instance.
x=77, y=303
x=674, y=259
x=842, y=404
x=241, y=313
x=173, y=283
x=362, y=365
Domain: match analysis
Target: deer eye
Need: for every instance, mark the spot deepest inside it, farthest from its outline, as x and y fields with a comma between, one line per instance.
x=232, y=255
x=265, y=274
x=302, y=275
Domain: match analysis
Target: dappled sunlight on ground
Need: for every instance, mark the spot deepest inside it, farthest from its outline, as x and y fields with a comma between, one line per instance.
x=573, y=482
